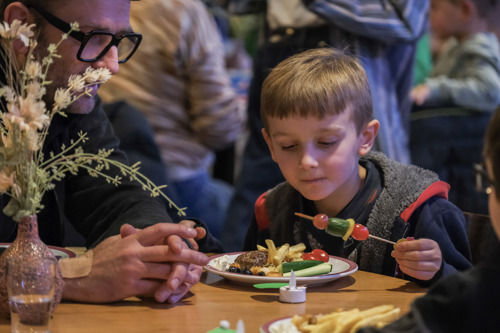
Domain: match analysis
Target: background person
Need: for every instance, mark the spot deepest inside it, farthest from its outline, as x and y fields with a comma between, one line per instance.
x=179, y=82
x=454, y=104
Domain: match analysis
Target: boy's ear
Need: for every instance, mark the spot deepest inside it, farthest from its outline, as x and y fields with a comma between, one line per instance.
x=269, y=143
x=18, y=11
x=468, y=9
x=367, y=137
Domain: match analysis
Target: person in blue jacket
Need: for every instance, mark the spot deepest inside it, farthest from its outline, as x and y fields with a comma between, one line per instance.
x=317, y=113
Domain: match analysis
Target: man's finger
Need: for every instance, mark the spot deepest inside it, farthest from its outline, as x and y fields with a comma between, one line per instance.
x=162, y=253
x=154, y=234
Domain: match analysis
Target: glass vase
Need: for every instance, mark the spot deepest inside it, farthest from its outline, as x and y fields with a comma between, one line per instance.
x=27, y=247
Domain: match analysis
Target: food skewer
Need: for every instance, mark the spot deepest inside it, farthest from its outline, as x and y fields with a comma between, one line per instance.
x=342, y=228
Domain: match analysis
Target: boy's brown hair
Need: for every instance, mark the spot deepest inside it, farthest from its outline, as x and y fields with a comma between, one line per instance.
x=484, y=7
x=317, y=83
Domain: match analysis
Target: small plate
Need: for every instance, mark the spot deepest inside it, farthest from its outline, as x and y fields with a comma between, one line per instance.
x=266, y=328
x=340, y=267
x=59, y=252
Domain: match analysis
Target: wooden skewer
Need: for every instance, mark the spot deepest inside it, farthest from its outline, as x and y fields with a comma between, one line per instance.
x=381, y=239
x=369, y=235
x=304, y=216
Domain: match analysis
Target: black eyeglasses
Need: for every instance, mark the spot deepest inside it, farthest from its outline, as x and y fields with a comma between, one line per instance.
x=95, y=44
x=483, y=181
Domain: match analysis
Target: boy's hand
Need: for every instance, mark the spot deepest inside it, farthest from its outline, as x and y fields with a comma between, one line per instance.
x=419, y=94
x=200, y=232
x=420, y=258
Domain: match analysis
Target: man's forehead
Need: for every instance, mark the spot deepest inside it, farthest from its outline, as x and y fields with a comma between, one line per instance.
x=108, y=15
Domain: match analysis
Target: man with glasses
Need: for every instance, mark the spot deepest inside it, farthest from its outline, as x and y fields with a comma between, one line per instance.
x=132, y=253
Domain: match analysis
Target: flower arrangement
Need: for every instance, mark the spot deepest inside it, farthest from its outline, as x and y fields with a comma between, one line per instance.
x=25, y=173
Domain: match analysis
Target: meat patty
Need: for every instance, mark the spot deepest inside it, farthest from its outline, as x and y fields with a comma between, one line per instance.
x=252, y=258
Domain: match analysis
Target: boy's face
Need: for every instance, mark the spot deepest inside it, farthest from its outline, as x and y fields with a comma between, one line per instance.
x=445, y=17
x=319, y=157
x=494, y=203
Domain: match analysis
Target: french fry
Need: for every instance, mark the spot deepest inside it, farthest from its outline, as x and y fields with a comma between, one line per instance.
x=378, y=320
x=261, y=248
x=280, y=254
x=271, y=250
x=294, y=256
x=346, y=321
x=301, y=247
x=377, y=310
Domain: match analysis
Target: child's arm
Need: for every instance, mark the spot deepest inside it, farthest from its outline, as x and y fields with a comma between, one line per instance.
x=420, y=258
x=443, y=224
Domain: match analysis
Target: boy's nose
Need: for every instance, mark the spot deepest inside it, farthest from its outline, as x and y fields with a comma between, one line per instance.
x=308, y=160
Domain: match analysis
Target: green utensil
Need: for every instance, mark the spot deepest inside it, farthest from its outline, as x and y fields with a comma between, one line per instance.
x=272, y=285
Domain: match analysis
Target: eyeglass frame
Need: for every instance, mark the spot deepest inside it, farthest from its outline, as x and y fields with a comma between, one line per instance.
x=481, y=174
x=83, y=38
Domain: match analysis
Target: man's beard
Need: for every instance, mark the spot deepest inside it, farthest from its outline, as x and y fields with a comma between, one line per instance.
x=59, y=78
x=83, y=105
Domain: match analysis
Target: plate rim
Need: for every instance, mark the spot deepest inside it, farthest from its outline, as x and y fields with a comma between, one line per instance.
x=70, y=253
x=266, y=326
x=245, y=279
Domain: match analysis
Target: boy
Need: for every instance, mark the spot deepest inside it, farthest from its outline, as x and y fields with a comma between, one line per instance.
x=455, y=103
x=317, y=115
x=469, y=301
x=467, y=70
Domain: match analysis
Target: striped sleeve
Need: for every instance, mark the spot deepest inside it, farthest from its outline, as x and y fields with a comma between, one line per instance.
x=384, y=20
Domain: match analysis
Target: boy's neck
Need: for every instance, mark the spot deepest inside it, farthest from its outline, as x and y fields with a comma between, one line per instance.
x=337, y=201
x=473, y=27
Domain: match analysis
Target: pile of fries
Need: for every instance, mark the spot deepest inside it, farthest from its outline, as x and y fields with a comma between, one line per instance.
x=346, y=321
x=287, y=253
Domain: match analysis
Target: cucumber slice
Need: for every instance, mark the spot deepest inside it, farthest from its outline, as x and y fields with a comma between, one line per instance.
x=297, y=265
x=337, y=227
x=322, y=268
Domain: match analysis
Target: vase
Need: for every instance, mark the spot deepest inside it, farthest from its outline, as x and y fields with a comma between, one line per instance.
x=27, y=247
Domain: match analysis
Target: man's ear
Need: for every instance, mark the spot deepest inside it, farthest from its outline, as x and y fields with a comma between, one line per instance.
x=269, y=143
x=367, y=137
x=18, y=11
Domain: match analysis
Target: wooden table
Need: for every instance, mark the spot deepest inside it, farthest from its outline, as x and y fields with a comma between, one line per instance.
x=215, y=299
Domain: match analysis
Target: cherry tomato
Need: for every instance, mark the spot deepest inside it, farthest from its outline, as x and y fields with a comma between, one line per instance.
x=310, y=256
x=360, y=232
x=320, y=221
x=321, y=254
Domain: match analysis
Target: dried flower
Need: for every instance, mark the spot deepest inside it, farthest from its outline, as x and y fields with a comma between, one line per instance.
x=25, y=174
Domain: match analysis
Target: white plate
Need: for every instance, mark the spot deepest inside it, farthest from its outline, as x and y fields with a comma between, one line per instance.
x=340, y=267
x=59, y=252
x=266, y=328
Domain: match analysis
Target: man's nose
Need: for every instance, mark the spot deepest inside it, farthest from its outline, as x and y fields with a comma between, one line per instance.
x=109, y=61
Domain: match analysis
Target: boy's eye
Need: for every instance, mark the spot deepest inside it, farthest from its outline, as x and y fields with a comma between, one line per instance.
x=326, y=143
x=288, y=147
